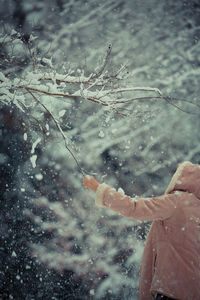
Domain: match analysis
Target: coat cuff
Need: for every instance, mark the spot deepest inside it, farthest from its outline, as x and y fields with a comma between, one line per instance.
x=99, y=193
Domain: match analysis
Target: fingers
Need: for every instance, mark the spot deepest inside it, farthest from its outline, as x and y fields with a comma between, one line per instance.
x=87, y=181
x=95, y=184
x=90, y=182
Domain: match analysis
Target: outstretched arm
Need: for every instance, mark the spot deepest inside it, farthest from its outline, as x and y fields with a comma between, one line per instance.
x=144, y=209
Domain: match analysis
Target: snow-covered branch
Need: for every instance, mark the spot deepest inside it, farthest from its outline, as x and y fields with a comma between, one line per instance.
x=41, y=88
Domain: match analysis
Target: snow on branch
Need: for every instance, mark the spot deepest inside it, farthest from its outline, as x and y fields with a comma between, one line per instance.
x=41, y=88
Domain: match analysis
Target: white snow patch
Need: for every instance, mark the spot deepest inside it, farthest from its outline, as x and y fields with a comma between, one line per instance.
x=39, y=176
x=48, y=62
x=57, y=167
x=47, y=126
x=61, y=113
x=13, y=32
x=108, y=118
x=2, y=77
x=25, y=136
x=13, y=254
x=35, y=145
x=32, y=37
x=33, y=160
x=92, y=292
x=101, y=134
x=27, y=267
x=121, y=191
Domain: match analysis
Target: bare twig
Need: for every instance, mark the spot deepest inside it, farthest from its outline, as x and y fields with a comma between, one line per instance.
x=166, y=98
x=104, y=64
x=29, y=89
x=176, y=106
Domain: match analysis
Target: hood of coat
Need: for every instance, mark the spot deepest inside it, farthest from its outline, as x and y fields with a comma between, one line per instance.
x=186, y=178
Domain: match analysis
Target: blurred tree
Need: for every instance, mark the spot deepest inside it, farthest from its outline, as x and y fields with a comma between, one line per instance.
x=21, y=276
x=160, y=43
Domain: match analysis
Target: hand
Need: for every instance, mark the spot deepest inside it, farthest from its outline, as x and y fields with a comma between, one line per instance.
x=90, y=183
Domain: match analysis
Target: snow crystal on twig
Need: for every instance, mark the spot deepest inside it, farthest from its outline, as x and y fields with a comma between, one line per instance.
x=33, y=160
x=35, y=145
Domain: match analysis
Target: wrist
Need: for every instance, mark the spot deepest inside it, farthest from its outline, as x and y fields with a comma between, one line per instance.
x=100, y=192
x=95, y=187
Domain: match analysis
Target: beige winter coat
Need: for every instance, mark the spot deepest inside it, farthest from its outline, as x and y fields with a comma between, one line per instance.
x=171, y=259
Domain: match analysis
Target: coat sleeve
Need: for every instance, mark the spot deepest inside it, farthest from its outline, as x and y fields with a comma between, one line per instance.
x=143, y=209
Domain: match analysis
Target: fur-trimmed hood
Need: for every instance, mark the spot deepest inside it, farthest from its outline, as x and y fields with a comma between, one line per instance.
x=186, y=178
